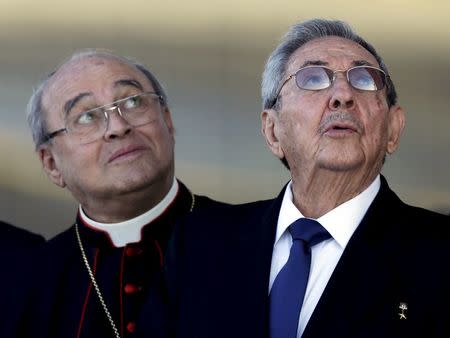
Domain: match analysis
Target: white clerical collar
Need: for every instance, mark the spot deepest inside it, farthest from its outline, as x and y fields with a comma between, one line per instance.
x=340, y=222
x=130, y=231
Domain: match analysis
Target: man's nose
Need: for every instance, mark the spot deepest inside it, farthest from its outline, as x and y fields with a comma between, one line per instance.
x=342, y=93
x=116, y=125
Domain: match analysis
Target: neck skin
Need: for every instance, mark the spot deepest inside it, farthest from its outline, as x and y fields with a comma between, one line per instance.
x=119, y=208
x=316, y=192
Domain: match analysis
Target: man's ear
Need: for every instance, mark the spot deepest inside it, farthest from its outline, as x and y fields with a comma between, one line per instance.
x=397, y=121
x=270, y=130
x=50, y=167
x=168, y=120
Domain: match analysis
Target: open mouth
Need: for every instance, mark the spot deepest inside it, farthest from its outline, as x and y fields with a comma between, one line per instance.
x=340, y=129
x=340, y=124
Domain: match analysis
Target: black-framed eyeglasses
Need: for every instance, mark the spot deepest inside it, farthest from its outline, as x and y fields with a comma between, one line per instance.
x=91, y=125
x=366, y=78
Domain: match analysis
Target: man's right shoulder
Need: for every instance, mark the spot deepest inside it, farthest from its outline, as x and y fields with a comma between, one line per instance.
x=208, y=210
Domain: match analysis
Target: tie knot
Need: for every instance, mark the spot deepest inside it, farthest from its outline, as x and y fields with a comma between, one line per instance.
x=308, y=230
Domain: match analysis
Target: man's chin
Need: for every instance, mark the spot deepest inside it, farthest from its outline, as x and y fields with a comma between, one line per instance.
x=341, y=163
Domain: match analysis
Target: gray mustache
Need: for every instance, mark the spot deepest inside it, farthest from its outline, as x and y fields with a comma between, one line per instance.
x=342, y=117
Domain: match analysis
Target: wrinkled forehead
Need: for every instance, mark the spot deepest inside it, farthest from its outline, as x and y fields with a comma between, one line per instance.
x=333, y=51
x=89, y=74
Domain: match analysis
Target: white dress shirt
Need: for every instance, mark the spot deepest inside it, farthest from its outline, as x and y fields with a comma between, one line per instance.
x=340, y=222
x=130, y=231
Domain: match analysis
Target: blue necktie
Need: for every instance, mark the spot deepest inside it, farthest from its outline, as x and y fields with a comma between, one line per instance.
x=289, y=287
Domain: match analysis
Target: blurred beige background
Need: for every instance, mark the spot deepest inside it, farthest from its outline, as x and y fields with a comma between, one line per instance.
x=210, y=55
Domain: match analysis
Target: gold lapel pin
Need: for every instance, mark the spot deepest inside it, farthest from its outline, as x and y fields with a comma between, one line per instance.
x=403, y=307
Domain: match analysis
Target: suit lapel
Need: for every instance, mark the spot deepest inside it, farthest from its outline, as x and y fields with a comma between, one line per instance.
x=364, y=276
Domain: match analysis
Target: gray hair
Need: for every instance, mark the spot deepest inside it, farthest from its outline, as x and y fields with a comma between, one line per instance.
x=35, y=109
x=299, y=35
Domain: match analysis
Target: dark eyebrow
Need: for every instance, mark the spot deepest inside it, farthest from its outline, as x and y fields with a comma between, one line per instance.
x=314, y=63
x=323, y=63
x=363, y=63
x=120, y=83
x=128, y=82
x=72, y=102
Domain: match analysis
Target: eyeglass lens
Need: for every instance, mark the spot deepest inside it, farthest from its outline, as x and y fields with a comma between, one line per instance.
x=361, y=77
x=135, y=110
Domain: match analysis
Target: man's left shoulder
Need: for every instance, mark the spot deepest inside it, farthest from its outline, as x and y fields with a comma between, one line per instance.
x=412, y=220
x=426, y=226
x=420, y=214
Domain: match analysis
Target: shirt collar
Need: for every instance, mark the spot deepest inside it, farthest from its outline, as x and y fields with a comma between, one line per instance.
x=129, y=231
x=340, y=222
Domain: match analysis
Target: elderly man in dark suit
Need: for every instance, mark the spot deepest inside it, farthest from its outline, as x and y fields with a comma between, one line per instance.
x=337, y=253
x=18, y=247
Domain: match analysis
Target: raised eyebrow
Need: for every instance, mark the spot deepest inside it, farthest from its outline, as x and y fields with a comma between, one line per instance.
x=323, y=63
x=362, y=63
x=72, y=102
x=314, y=63
x=127, y=83
x=119, y=83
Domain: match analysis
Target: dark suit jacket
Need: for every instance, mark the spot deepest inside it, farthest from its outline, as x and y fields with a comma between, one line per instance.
x=398, y=254
x=17, y=247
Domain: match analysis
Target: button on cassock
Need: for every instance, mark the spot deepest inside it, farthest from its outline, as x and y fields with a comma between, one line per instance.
x=131, y=327
x=132, y=251
x=132, y=288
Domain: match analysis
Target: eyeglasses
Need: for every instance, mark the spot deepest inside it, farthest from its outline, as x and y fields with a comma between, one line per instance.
x=365, y=78
x=91, y=125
